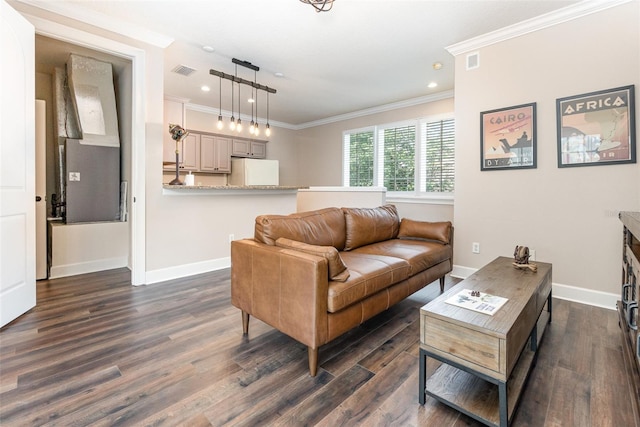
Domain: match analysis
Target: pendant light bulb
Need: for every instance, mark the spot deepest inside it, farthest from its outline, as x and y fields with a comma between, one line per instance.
x=252, y=127
x=239, y=125
x=232, y=123
x=267, y=130
x=220, y=124
x=257, y=130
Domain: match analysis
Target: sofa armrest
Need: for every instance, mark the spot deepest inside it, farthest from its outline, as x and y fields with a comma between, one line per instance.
x=284, y=288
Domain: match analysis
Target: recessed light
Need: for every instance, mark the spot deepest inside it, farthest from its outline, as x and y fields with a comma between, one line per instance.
x=437, y=65
x=278, y=74
x=208, y=49
x=205, y=88
x=432, y=85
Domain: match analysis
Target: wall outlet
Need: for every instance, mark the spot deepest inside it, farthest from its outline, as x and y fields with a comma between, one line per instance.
x=231, y=238
x=74, y=176
x=475, y=247
x=532, y=254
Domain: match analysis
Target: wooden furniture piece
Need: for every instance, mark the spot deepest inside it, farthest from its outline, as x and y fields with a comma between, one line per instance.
x=485, y=359
x=628, y=304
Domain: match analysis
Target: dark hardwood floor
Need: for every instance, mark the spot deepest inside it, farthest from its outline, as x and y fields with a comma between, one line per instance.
x=97, y=351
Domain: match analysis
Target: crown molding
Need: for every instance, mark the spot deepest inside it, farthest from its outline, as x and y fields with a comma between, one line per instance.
x=379, y=109
x=347, y=116
x=556, y=17
x=226, y=114
x=102, y=21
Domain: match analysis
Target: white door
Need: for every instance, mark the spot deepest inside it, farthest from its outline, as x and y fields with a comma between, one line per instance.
x=17, y=165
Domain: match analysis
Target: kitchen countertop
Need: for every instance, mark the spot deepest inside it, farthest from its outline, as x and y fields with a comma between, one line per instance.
x=227, y=189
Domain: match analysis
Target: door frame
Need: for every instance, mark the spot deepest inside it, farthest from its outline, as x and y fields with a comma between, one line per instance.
x=54, y=30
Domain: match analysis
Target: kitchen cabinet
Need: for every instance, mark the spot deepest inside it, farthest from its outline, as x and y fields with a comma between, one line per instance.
x=249, y=148
x=215, y=154
x=190, y=153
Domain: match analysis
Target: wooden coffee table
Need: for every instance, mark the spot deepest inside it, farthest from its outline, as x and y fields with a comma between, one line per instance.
x=485, y=358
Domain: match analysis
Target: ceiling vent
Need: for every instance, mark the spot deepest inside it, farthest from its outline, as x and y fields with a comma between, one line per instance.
x=183, y=70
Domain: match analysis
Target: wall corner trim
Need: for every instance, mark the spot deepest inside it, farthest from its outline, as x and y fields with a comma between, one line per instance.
x=556, y=17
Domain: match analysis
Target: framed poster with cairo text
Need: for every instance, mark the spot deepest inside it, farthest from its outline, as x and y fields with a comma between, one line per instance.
x=597, y=128
x=508, y=138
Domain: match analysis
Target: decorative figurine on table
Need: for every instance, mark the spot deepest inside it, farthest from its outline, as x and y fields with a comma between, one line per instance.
x=177, y=134
x=521, y=258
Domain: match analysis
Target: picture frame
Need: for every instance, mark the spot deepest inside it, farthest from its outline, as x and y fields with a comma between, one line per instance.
x=597, y=128
x=508, y=138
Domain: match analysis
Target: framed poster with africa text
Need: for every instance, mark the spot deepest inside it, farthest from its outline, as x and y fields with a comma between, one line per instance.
x=508, y=138
x=596, y=128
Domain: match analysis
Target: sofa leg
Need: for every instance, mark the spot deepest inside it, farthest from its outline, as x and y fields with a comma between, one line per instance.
x=245, y=322
x=442, y=284
x=313, y=361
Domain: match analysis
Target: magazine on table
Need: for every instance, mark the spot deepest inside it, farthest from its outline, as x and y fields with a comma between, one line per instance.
x=477, y=301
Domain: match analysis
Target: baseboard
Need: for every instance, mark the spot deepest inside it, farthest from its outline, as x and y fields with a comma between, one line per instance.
x=460, y=272
x=57, y=271
x=570, y=293
x=179, y=271
x=585, y=296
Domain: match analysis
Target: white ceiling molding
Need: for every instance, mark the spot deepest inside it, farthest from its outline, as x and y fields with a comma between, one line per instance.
x=559, y=16
x=379, y=109
x=355, y=114
x=226, y=113
x=102, y=21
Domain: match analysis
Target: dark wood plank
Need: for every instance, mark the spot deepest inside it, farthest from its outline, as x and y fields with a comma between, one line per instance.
x=98, y=351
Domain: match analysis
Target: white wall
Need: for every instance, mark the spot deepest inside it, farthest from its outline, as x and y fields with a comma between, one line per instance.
x=568, y=215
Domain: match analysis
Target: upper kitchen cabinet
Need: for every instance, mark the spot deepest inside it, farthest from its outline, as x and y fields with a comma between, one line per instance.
x=215, y=154
x=249, y=148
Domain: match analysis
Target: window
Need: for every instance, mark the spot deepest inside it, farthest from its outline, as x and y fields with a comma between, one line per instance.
x=437, y=156
x=410, y=157
x=358, y=158
x=397, y=156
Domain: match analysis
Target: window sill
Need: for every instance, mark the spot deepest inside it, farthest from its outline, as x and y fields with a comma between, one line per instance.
x=431, y=199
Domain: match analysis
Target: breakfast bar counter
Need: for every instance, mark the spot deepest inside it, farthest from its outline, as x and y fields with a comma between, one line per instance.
x=224, y=190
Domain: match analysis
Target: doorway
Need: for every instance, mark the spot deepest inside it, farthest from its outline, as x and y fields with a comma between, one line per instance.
x=89, y=247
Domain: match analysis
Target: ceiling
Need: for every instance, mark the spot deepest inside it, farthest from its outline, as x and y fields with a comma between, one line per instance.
x=362, y=54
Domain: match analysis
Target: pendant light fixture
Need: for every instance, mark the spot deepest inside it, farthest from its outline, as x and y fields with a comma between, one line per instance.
x=268, y=128
x=233, y=125
x=252, y=129
x=320, y=5
x=220, y=124
x=256, y=129
x=239, y=125
x=252, y=125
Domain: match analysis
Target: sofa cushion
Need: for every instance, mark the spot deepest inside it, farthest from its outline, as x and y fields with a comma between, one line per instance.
x=420, y=254
x=369, y=274
x=323, y=227
x=438, y=231
x=337, y=270
x=370, y=225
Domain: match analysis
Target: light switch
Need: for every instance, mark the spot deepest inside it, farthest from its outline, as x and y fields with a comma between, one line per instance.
x=74, y=176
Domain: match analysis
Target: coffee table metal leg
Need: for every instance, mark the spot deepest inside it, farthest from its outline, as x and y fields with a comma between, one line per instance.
x=502, y=396
x=422, y=380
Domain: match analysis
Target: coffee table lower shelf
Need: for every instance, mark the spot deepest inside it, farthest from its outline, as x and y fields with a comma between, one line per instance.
x=476, y=394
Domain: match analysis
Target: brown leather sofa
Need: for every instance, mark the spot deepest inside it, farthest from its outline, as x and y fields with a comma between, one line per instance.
x=315, y=275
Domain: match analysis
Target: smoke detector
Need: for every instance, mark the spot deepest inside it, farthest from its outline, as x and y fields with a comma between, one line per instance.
x=183, y=70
